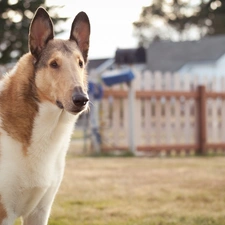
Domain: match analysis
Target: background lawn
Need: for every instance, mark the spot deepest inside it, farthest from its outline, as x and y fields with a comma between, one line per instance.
x=141, y=191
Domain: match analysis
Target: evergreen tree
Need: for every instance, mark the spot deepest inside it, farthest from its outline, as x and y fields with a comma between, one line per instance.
x=15, y=18
x=179, y=17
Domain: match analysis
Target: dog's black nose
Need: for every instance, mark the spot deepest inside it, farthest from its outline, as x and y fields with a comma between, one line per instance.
x=80, y=99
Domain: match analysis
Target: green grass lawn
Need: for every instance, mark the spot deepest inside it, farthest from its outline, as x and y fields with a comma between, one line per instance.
x=141, y=191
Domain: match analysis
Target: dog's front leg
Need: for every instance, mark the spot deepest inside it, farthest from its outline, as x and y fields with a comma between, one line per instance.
x=37, y=217
x=40, y=215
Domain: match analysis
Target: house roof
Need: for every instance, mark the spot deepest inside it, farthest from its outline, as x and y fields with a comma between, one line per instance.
x=94, y=63
x=171, y=56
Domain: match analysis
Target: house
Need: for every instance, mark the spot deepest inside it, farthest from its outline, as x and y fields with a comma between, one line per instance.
x=202, y=57
x=123, y=58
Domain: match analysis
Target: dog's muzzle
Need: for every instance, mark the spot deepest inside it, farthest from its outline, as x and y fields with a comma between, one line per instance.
x=80, y=99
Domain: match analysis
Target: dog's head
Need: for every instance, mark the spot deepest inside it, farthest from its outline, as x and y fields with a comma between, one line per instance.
x=60, y=74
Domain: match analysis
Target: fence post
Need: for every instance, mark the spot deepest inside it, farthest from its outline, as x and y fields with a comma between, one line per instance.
x=131, y=102
x=202, y=120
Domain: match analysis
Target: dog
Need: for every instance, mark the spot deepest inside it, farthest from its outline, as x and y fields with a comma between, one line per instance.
x=40, y=101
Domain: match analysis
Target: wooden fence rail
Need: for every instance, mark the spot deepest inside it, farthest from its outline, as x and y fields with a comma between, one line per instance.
x=166, y=121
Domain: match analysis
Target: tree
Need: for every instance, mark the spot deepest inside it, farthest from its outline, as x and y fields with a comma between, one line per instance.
x=176, y=19
x=15, y=18
x=211, y=17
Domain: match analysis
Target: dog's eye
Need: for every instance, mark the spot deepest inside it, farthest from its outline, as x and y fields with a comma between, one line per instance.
x=54, y=64
x=80, y=64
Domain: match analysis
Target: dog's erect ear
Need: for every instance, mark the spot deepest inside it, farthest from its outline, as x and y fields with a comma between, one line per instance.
x=41, y=31
x=80, y=33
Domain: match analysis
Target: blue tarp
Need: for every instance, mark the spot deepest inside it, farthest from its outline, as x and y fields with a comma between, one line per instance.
x=117, y=76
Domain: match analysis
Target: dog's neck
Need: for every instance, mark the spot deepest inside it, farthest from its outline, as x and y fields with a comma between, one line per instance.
x=20, y=103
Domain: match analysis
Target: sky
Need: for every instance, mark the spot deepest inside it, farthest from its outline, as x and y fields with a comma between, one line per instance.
x=111, y=23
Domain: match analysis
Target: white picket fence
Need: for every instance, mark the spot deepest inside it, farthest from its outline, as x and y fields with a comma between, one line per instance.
x=166, y=113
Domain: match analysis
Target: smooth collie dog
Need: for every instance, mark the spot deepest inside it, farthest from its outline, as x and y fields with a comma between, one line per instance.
x=40, y=100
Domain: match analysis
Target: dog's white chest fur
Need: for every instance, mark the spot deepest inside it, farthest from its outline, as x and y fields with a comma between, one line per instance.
x=31, y=173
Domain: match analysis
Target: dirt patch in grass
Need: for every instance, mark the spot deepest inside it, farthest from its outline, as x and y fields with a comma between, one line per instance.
x=141, y=191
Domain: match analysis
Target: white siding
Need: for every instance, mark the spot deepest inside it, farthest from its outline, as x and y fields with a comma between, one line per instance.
x=209, y=69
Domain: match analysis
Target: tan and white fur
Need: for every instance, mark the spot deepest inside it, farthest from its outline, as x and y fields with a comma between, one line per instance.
x=40, y=100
